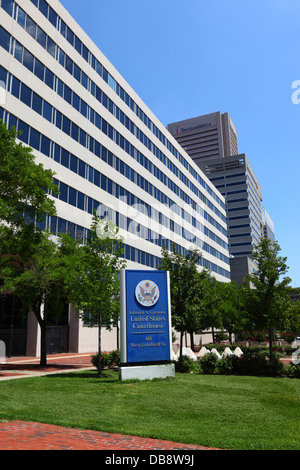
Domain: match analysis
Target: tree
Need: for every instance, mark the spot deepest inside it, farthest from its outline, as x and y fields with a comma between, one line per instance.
x=93, y=276
x=211, y=317
x=24, y=185
x=26, y=254
x=268, y=300
x=231, y=307
x=31, y=268
x=185, y=289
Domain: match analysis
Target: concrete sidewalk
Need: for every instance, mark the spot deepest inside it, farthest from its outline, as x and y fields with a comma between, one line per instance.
x=20, y=367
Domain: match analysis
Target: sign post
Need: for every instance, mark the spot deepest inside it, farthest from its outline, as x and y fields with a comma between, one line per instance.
x=145, y=326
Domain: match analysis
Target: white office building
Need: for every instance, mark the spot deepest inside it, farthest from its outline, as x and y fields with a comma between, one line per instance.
x=109, y=153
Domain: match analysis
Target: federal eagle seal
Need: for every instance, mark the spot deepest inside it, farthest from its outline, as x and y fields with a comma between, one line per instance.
x=147, y=293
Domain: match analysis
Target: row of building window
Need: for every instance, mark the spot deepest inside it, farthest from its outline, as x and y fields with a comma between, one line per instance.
x=228, y=185
x=224, y=177
x=45, y=41
x=230, y=193
x=238, y=235
x=239, y=226
x=75, y=42
x=74, y=197
x=35, y=66
x=236, y=209
x=30, y=98
x=239, y=217
x=77, y=199
x=240, y=244
x=58, y=226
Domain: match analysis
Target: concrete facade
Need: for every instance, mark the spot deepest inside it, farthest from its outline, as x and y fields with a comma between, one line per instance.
x=108, y=150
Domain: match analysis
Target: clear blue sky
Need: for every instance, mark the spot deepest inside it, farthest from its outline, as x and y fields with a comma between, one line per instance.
x=190, y=57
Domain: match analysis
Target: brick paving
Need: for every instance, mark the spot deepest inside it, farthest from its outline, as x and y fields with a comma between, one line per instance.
x=18, y=367
x=20, y=435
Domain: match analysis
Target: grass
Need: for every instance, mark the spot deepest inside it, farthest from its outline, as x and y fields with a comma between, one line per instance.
x=227, y=412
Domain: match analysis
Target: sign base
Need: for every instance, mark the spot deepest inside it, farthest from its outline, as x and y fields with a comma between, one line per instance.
x=161, y=371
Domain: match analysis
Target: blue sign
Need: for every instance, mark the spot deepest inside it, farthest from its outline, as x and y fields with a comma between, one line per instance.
x=145, y=317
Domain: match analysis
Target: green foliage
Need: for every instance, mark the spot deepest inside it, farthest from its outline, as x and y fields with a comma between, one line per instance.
x=259, y=336
x=93, y=280
x=24, y=184
x=227, y=365
x=187, y=289
x=231, y=307
x=268, y=302
x=208, y=363
x=294, y=370
x=255, y=362
x=184, y=364
x=32, y=268
x=108, y=359
x=288, y=336
x=211, y=315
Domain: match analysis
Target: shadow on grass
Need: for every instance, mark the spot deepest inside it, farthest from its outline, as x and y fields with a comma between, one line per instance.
x=104, y=377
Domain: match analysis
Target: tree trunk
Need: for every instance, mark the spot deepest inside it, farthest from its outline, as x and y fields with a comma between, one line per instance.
x=99, y=367
x=230, y=333
x=192, y=341
x=213, y=334
x=43, y=357
x=270, y=341
x=181, y=340
x=37, y=311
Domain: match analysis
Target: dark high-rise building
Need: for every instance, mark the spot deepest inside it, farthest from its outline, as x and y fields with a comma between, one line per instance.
x=208, y=136
x=211, y=141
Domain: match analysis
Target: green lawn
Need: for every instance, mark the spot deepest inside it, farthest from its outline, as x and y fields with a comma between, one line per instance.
x=227, y=412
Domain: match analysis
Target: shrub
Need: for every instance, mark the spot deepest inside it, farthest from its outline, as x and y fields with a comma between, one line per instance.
x=259, y=336
x=208, y=363
x=288, y=336
x=221, y=336
x=184, y=364
x=294, y=370
x=255, y=361
x=115, y=357
x=108, y=359
x=225, y=366
x=275, y=367
x=229, y=365
x=284, y=350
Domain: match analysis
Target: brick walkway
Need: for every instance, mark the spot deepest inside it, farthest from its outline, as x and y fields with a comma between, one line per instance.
x=29, y=366
x=19, y=435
